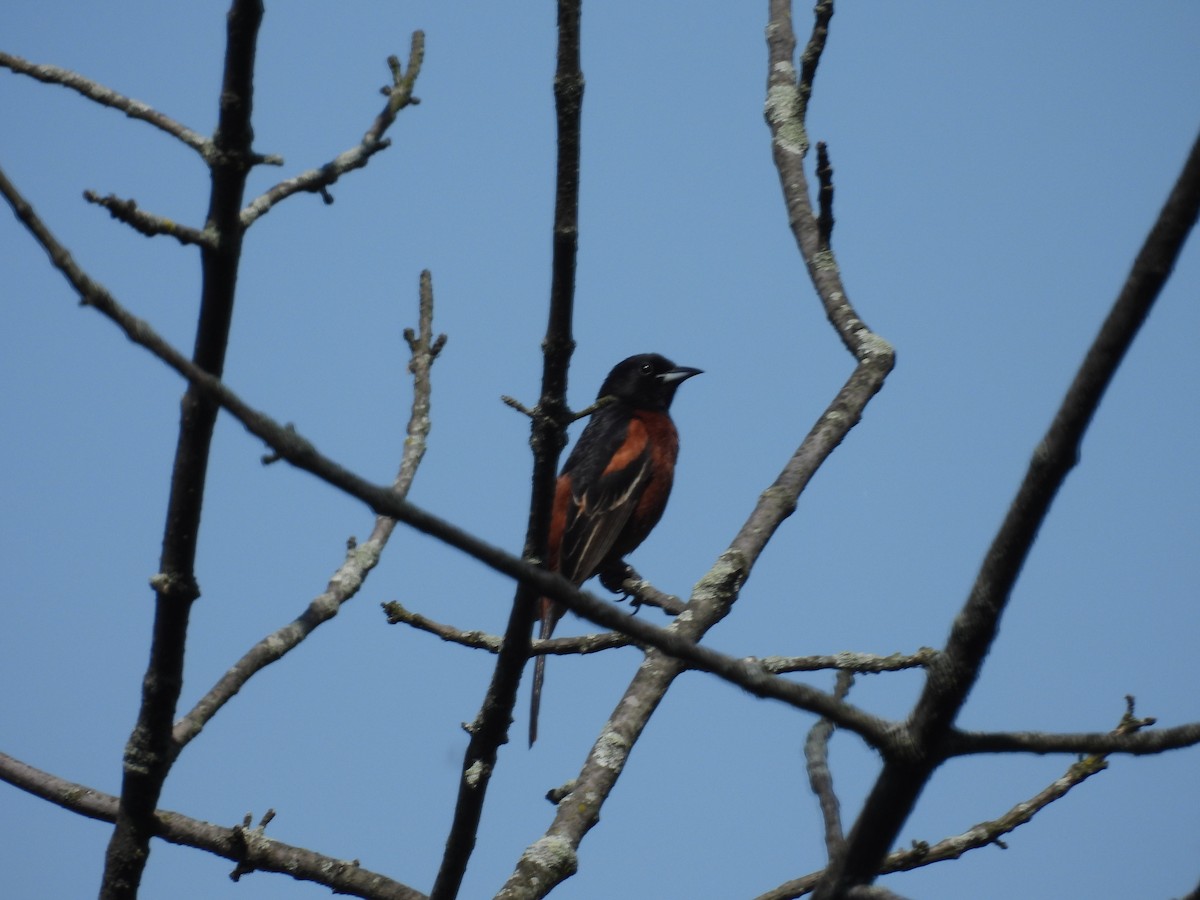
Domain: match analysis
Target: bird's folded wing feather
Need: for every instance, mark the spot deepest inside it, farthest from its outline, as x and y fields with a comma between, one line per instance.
x=597, y=516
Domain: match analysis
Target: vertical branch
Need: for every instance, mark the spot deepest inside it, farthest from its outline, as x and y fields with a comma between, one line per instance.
x=824, y=196
x=553, y=857
x=559, y=342
x=547, y=438
x=786, y=108
x=820, y=778
x=148, y=753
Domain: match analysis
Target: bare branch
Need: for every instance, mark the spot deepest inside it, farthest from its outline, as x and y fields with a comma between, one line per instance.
x=984, y=834
x=514, y=403
x=849, y=662
x=127, y=211
x=148, y=754
x=397, y=614
x=318, y=181
x=786, y=107
x=580, y=645
x=965, y=743
x=975, y=628
x=360, y=558
x=547, y=438
x=824, y=196
x=135, y=109
x=811, y=57
x=820, y=778
x=249, y=848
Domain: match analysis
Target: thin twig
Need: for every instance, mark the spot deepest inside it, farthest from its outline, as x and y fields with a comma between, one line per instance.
x=820, y=778
x=318, y=181
x=965, y=743
x=547, y=437
x=360, y=558
x=580, y=645
x=127, y=211
x=625, y=580
x=135, y=109
x=811, y=57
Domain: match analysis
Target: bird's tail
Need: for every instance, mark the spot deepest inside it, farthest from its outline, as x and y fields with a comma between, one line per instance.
x=549, y=620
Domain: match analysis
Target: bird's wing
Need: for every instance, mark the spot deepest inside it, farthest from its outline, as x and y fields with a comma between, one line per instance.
x=602, y=502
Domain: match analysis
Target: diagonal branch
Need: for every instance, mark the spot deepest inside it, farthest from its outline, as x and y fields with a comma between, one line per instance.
x=135, y=109
x=360, y=558
x=241, y=844
x=139, y=220
x=976, y=625
x=318, y=181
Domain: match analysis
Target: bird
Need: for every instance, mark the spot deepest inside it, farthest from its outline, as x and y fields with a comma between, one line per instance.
x=614, y=485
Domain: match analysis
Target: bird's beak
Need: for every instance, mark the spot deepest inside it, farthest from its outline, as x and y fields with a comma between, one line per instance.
x=679, y=373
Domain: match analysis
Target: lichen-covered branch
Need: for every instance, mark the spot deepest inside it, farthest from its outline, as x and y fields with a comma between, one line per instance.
x=849, y=662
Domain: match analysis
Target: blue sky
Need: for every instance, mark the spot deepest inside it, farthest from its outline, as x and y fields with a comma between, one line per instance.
x=997, y=167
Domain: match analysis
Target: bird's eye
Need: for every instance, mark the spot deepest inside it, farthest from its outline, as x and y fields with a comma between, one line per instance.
x=647, y=369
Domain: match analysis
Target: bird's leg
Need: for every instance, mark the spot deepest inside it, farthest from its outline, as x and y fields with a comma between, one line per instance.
x=614, y=575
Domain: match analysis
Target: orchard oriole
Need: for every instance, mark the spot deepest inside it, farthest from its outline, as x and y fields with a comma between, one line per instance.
x=614, y=486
